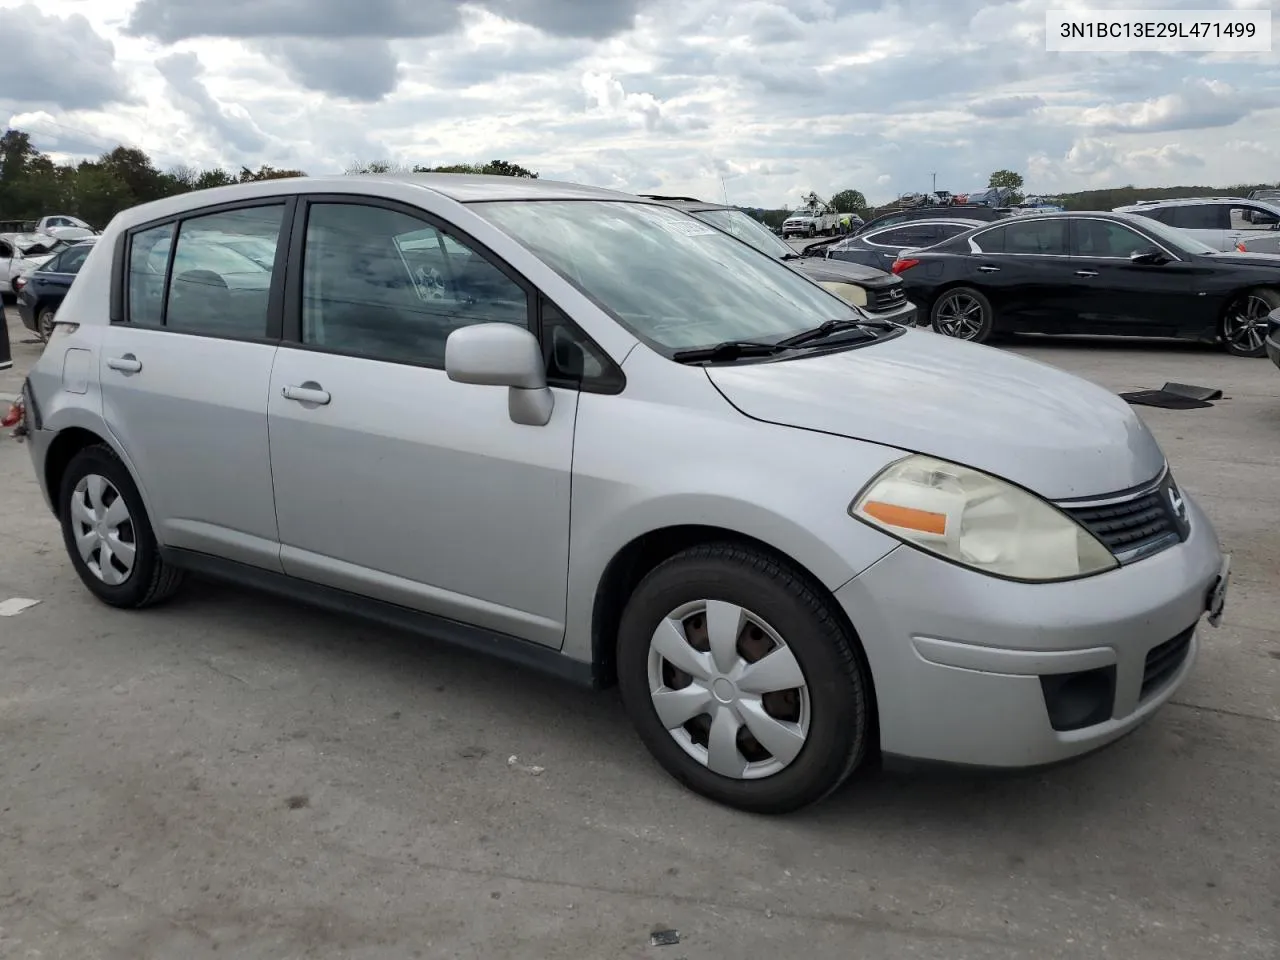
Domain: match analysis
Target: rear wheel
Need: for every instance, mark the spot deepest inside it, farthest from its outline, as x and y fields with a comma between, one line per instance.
x=108, y=535
x=1244, y=324
x=963, y=313
x=44, y=322
x=742, y=681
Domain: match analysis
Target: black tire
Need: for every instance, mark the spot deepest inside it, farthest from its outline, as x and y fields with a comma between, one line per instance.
x=1240, y=342
x=836, y=678
x=954, y=299
x=44, y=322
x=151, y=580
x=812, y=231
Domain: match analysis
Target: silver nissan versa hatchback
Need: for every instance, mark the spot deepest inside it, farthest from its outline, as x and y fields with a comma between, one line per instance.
x=589, y=433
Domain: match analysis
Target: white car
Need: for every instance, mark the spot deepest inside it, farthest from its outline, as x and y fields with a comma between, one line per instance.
x=1224, y=223
x=65, y=227
x=21, y=253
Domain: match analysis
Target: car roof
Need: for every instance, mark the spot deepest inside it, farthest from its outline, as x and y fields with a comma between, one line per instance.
x=925, y=222
x=460, y=187
x=1178, y=202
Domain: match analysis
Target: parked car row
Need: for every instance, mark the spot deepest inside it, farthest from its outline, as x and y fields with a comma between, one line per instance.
x=1224, y=223
x=648, y=454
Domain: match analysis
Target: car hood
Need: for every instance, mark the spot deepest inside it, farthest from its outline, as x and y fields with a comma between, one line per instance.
x=1052, y=432
x=840, y=271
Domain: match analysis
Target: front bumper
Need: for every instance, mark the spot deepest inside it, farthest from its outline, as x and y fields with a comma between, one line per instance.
x=957, y=656
x=906, y=313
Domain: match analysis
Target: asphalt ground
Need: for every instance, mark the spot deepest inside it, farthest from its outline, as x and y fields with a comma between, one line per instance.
x=233, y=775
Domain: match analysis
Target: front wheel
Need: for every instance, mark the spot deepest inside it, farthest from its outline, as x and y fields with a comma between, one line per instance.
x=742, y=681
x=963, y=313
x=1244, y=325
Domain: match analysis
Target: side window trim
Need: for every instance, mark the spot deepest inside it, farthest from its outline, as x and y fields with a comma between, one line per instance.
x=612, y=381
x=119, y=308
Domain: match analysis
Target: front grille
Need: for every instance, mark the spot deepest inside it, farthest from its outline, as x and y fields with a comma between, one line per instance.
x=1163, y=662
x=1136, y=526
x=886, y=298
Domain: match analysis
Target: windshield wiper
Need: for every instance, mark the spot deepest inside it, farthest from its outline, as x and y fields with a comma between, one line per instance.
x=728, y=350
x=829, y=327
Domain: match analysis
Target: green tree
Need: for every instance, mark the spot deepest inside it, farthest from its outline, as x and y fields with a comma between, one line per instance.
x=266, y=172
x=848, y=201
x=213, y=178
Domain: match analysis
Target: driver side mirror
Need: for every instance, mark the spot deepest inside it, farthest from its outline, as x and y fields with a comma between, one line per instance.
x=503, y=355
x=1152, y=257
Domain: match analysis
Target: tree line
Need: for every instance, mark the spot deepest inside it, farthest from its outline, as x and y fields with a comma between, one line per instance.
x=32, y=185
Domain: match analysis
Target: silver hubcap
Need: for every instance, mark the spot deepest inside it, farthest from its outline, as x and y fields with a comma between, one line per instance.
x=1245, y=324
x=103, y=529
x=728, y=689
x=960, y=316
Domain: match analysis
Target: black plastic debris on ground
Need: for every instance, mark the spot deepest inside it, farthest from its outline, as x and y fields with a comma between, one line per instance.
x=1175, y=396
x=664, y=938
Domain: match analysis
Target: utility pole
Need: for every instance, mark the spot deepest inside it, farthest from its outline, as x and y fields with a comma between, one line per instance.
x=935, y=182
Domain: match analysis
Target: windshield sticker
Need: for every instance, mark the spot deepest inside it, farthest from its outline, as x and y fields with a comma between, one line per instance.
x=691, y=228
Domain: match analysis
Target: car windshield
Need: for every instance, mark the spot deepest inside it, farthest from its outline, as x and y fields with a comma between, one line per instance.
x=1179, y=240
x=670, y=279
x=747, y=229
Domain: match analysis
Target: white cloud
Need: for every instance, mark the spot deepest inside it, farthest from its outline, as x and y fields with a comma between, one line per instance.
x=770, y=98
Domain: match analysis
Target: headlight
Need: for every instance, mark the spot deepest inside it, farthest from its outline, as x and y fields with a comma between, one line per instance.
x=848, y=292
x=979, y=521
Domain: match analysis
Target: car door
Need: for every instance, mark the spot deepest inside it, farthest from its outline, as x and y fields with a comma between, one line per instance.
x=1254, y=227
x=1116, y=295
x=184, y=373
x=1024, y=268
x=391, y=480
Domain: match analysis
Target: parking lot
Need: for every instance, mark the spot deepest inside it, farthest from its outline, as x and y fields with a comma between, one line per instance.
x=237, y=776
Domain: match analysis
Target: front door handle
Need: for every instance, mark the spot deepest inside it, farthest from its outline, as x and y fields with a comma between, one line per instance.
x=1086, y=273
x=126, y=364
x=988, y=269
x=309, y=392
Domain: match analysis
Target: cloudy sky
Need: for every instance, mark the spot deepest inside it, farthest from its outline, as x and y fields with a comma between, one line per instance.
x=760, y=99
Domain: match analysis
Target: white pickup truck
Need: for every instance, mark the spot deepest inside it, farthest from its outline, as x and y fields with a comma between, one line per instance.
x=810, y=222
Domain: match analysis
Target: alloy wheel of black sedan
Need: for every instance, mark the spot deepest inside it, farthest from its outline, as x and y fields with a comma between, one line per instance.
x=1244, y=328
x=963, y=314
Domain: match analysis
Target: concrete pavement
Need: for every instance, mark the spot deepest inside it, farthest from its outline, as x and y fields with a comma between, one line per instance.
x=237, y=776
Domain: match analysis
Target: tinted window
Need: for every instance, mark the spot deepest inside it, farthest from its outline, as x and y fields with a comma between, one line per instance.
x=214, y=289
x=378, y=283
x=1042, y=237
x=146, y=282
x=72, y=260
x=1103, y=238
x=910, y=235
x=1199, y=216
x=949, y=230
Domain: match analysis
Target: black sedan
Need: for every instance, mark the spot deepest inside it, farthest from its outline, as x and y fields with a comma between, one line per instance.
x=880, y=248
x=1092, y=273
x=40, y=292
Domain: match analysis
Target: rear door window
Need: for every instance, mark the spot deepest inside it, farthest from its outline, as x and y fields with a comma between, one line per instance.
x=1199, y=216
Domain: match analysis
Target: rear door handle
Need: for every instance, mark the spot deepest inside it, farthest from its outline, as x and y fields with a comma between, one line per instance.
x=126, y=364
x=309, y=392
x=1086, y=273
x=988, y=269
